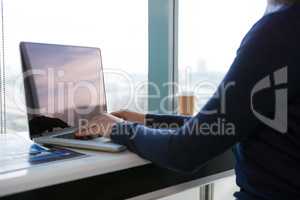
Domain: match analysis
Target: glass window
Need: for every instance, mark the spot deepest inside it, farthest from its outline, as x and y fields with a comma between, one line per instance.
x=119, y=28
x=210, y=32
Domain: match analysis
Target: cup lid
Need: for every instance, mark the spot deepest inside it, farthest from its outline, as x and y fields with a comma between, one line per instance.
x=186, y=93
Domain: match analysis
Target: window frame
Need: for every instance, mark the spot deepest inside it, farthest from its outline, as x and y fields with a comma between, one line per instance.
x=2, y=75
x=163, y=51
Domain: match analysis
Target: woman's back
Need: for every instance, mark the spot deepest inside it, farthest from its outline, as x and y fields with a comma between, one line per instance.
x=268, y=161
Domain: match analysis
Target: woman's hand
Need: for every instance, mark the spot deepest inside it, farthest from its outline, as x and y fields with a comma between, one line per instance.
x=100, y=125
x=130, y=116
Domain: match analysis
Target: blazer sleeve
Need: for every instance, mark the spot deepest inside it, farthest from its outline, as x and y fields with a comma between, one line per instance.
x=165, y=121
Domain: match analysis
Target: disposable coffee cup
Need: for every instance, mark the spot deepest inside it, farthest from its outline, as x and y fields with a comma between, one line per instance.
x=186, y=103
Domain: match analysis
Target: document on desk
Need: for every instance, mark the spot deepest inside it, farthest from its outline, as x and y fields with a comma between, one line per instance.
x=18, y=153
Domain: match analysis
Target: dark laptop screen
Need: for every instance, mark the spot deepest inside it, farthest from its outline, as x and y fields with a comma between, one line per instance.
x=63, y=84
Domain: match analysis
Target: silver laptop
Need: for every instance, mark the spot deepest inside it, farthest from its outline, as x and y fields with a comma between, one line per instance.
x=64, y=87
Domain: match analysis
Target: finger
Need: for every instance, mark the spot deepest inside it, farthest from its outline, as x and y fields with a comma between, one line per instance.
x=94, y=131
x=84, y=132
x=113, y=118
x=86, y=135
x=117, y=113
x=120, y=114
x=80, y=134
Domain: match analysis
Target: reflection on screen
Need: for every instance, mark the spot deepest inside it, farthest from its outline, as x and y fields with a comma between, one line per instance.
x=66, y=81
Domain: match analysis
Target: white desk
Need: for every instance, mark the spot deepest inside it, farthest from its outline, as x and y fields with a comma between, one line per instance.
x=64, y=171
x=99, y=164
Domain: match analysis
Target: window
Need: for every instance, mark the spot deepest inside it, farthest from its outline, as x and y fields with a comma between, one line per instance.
x=209, y=34
x=119, y=28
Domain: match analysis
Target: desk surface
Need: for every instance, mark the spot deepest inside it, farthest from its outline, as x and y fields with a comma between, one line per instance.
x=125, y=171
x=97, y=163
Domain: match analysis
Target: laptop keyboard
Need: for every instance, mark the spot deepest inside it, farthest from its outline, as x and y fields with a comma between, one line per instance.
x=72, y=136
x=66, y=136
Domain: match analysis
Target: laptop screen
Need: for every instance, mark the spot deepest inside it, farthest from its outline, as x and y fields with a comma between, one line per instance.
x=64, y=85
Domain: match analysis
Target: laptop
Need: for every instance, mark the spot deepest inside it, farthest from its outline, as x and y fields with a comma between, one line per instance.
x=64, y=89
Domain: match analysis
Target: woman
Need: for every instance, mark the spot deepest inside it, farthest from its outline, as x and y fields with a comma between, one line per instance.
x=267, y=150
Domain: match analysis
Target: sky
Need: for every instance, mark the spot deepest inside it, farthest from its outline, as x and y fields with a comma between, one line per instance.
x=118, y=27
x=210, y=31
